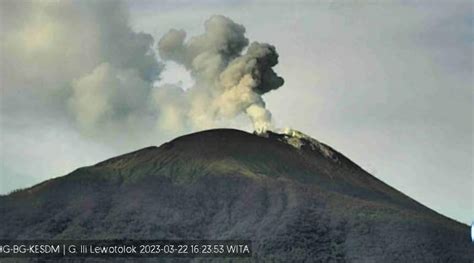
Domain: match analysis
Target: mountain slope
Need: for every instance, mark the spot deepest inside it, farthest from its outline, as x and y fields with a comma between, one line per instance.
x=296, y=198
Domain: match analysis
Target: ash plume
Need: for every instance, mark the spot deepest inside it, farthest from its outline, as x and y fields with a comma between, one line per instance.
x=78, y=61
x=228, y=82
x=81, y=64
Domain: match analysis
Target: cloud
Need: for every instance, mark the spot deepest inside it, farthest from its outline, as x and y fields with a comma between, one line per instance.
x=170, y=101
x=80, y=60
x=228, y=83
x=108, y=96
x=83, y=62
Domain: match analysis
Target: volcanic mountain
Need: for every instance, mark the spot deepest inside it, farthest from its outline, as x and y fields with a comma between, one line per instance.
x=297, y=199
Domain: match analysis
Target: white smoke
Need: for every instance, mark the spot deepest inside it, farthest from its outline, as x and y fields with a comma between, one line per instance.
x=79, y=61
x=228, y=82
x=109, y=97
x=83, y=64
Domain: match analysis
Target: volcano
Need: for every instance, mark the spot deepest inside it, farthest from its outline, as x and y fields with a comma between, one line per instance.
x=296, y=198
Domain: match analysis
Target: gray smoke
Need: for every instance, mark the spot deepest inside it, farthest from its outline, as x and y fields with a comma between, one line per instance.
x=79, y=61
x=82, y=64
x=228, y=82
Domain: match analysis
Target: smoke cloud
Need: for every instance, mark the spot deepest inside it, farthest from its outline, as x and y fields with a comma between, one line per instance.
x=228, y=82
x=82, y=64
x=78, y=62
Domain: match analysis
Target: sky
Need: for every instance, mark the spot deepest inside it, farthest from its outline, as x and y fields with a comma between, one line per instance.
x=387, y=83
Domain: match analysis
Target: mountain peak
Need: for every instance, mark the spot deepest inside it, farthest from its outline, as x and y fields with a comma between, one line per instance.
x=298, y=140
x=296, y=198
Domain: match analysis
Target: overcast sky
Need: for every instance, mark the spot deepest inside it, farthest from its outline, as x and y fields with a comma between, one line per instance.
x=389, y=85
